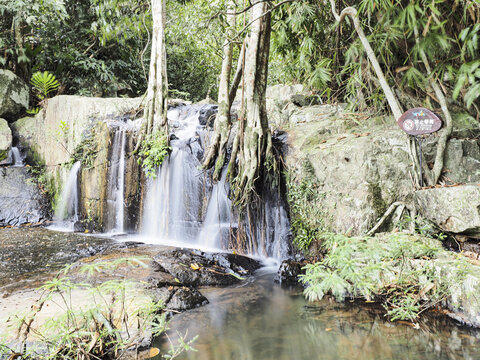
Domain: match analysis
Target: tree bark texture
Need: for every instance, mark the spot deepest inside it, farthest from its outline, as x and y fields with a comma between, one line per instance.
x=157, y=92
x=254, y=142
x=217, y=150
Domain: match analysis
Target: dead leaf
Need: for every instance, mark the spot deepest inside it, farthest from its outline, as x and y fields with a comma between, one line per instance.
x=194, y=266
x=153, y=352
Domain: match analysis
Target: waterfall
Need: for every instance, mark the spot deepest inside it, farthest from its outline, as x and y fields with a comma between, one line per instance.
x=15, y=157
x=66, y=213
x=183, y=208
x=116, y=185
x=174, y=200
x=216, y=228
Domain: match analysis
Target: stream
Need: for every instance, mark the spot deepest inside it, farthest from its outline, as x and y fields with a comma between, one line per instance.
x=256, y=319
x=260, y=320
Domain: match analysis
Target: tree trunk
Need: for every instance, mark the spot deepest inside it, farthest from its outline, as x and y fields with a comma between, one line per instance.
x=156, y=105
x=22, y=62
x=255, y=155
x=157, y=92
x=223, y=123
x=352, y=13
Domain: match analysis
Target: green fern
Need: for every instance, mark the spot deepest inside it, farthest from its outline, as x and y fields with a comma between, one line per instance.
x=44, y=83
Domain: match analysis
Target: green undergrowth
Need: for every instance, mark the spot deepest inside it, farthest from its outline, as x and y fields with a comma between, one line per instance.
x=407, y=274
x=153, y=150
x=97, y=318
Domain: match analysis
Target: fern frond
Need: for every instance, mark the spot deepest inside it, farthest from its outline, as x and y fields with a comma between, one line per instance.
x=44, y=83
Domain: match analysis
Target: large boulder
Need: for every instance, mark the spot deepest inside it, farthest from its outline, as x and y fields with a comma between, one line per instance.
x=454, y=209
x=5, y=140
x=20, y=200
x=197, y=268
x=14, y=95
x=357, y=175
x=360, y=169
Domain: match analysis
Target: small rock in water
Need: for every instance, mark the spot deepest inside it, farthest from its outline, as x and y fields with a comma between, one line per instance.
x=288, y=272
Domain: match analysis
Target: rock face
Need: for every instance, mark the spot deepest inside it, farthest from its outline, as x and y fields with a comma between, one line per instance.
x=20, y=200
x=14, y=95
x=361, y=169
x=454, y=209
x=358, y=174
x=5, y=140
x=77, y=125
x=56, y=131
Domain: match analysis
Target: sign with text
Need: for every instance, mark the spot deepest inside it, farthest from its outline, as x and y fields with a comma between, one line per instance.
x=419, y=121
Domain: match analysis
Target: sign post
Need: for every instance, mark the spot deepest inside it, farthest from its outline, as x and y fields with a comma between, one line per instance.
x=417, y=122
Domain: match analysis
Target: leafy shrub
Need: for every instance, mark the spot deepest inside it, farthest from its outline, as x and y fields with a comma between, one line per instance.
x=305, y=211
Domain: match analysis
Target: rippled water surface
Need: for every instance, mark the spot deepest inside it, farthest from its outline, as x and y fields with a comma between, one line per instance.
x=262, y=321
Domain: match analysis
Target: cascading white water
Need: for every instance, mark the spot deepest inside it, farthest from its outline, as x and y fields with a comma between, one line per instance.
x=116, y=185
x=15, y=157
x=66, y=213
x=174, y=201
x=216, y=227
x=183, y=208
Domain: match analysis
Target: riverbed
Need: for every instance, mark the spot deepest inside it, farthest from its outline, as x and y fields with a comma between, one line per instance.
x=256, y=319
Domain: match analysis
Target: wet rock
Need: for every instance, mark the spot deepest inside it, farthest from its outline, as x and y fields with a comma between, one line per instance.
x=159, y=278
x=453, y=209
x=14, y=95
x=185, y=299
x=207, y=114
x=5, y=140
x=178, y=298
x=195, y=268
x=20, y=199
x=289, y=271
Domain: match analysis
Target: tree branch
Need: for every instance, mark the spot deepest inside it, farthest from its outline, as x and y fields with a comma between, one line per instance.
x=352, y=12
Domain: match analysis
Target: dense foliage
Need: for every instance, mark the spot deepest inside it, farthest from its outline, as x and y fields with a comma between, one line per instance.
x=309, y=48
x=102, y=47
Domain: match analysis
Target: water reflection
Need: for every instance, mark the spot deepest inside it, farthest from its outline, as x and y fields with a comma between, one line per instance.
x=261, y=321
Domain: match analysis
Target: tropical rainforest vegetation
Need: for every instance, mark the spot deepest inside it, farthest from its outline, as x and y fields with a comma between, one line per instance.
x=102, y=47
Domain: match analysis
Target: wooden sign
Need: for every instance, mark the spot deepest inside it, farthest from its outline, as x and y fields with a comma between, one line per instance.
x=419, y=121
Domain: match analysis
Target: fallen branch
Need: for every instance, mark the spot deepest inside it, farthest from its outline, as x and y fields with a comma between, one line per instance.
x=389, y=211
